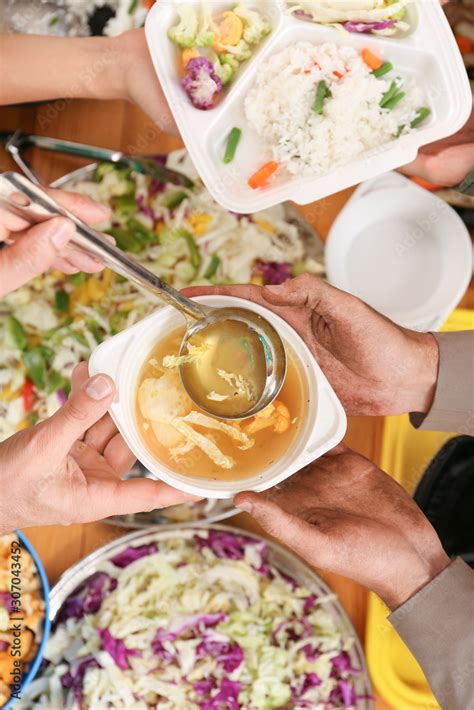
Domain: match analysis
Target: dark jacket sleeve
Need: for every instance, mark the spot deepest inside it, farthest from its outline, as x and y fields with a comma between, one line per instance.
x=437, y=625
x=453, y=406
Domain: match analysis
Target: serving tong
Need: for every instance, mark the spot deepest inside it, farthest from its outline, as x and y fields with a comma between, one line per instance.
x=16, y=142
x=21, y=197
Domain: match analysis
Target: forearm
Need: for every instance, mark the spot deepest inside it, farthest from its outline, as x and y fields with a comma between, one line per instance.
x=38, y=68
x=436, y=624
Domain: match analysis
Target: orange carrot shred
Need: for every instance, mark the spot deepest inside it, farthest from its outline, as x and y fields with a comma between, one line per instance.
x=261, y=176
x=372, y=60
x=465, y=44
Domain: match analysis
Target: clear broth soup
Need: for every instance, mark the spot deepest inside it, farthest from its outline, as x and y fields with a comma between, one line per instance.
x=187, y=440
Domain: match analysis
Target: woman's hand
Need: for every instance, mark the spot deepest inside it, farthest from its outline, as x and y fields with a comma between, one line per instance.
x=69, y=469
x=140, y=84
x=375, y=366
x=30, y=251
x=344, y=515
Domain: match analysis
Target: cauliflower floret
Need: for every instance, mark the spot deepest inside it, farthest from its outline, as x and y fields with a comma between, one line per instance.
x=201, y=83
x=276, y=416
x=185, y=32
x=256, y=26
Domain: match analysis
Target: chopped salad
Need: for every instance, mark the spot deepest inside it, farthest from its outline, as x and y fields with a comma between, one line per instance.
x=182, y=235
x=378, y=17
x=213, y=46
x=201, y=620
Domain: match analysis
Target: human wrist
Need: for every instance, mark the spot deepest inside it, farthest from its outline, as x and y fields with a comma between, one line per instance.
x=422, y=373
x=416, y=574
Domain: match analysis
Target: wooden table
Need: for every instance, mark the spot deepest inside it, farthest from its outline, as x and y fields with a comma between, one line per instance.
x=118, y=125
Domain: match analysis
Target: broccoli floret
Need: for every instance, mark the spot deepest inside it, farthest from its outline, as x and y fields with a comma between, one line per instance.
x=205, y=35
x=256, y=26
x=184, y=33
x=225, y=72
x=241, y=52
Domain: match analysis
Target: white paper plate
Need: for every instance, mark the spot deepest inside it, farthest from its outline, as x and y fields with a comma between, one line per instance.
x=402, y=250
x=429, y=52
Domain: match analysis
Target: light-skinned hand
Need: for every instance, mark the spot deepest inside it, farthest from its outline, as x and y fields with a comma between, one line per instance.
x=446, y=162
x=69, y=468
x=375, y=366
x=345, y=515
x=32, y=250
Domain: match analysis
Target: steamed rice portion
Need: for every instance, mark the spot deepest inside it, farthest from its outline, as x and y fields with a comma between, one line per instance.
x=280, y=107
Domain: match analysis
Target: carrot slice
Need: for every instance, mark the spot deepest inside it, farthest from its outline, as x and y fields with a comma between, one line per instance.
x=261, y=176
x=372, y=60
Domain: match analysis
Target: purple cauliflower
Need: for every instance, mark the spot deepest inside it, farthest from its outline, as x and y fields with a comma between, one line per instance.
x=201, y=83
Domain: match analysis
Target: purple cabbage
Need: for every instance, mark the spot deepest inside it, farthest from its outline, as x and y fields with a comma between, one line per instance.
x=131, y=554
x=342, y=663
x=74, y=678
x=201, y=83
x=366, y=27
x=290, y=633
x=204, y=687
x=232, y=547
x=309, y=604
x=3, y=645
x=229, y=655
x=226, y=699
x=117, y=649
x=343, y=693
x=274, y=274
x=140, y=200
x=311, y=680
x=88, y=597
x=192, y=622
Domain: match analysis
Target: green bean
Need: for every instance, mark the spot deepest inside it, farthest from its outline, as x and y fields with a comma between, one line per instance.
x=422, y=113
x=16, y=332
x=384, y=69
x=389, y=94
x=322, y=92
x=391, y=103
x=232, y=143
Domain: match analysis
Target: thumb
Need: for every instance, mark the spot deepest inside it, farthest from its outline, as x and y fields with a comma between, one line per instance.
x=85, y=407
x=281, y=525
x=33, y=252
x=305, y=291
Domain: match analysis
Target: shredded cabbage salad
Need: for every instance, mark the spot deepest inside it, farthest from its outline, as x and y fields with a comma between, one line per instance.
x=379, y=17
x=201, y=621
x=182, y=235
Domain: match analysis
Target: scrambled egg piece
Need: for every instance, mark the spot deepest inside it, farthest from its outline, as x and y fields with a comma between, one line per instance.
x=276, y=416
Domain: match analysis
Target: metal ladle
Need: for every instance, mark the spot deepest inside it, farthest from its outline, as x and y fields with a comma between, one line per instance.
x=20, y=196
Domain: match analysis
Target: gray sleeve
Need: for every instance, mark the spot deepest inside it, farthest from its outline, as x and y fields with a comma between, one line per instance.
x=453, y=406
x=437, y=625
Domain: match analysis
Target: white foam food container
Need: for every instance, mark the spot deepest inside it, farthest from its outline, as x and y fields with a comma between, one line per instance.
x=428, y=51
x=402, y=250
x=123, y=356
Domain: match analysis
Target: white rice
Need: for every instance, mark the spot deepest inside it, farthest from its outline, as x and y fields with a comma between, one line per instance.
x=280, y=107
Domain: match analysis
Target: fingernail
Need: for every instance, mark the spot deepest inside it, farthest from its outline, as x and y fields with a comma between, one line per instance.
x=62, y=233
x=245, y=506
x=98, y=387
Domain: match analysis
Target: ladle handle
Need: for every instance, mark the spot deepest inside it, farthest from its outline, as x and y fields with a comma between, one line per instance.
x=42, y=207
